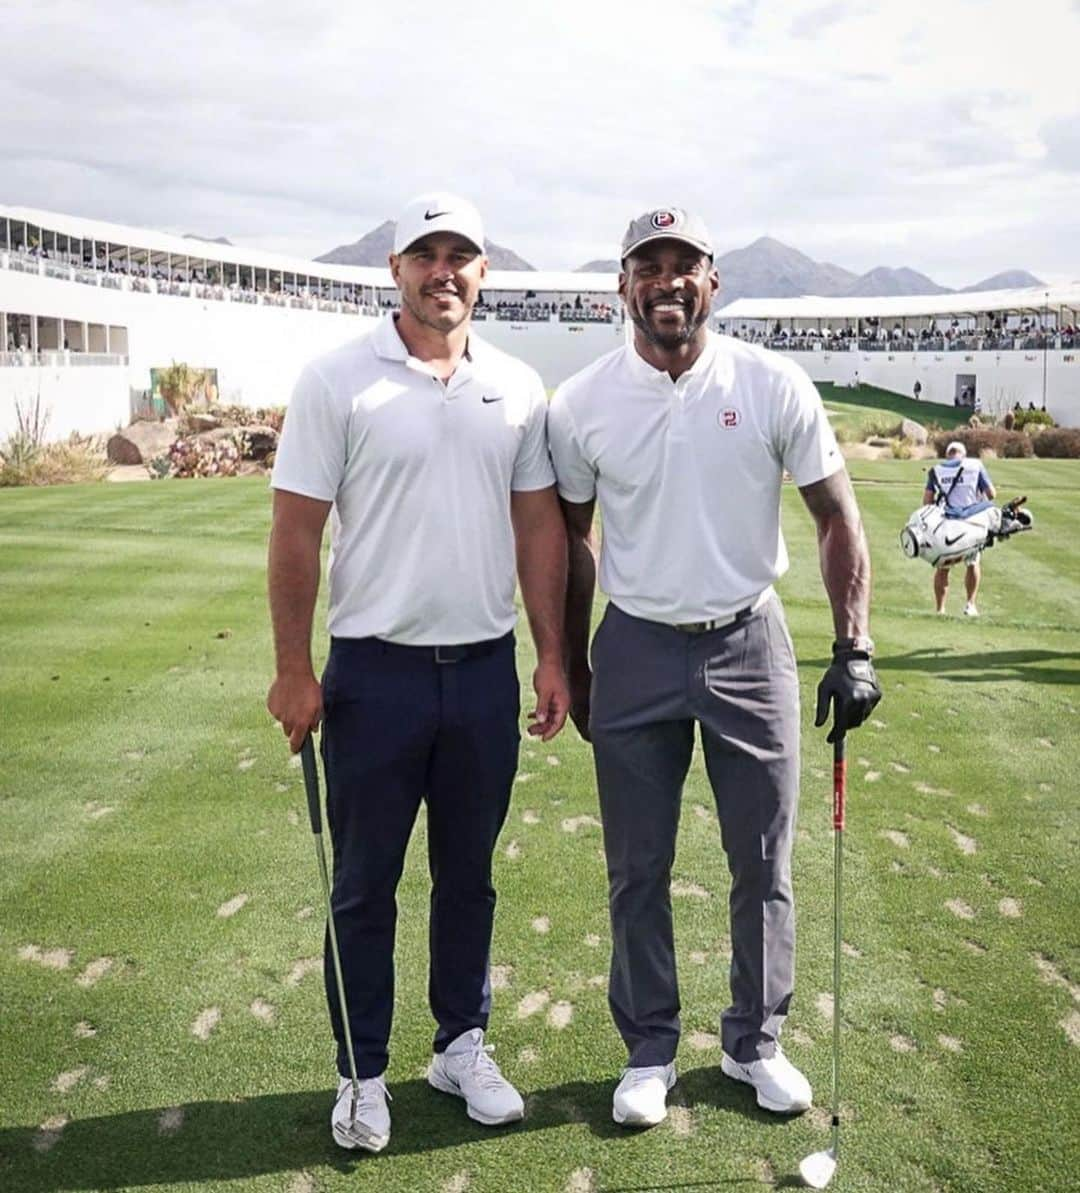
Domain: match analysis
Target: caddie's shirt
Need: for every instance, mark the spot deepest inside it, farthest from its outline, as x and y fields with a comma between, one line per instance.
x=420, y=474
x=963, y=483
x=688, y=473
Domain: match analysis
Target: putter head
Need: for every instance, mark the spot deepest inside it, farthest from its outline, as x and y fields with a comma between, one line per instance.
x=817, y=1169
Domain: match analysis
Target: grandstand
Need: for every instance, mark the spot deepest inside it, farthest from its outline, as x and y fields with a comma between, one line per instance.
x=89, y=310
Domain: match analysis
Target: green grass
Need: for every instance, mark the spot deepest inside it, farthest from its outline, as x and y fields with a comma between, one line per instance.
x=855, y=413
x=134, y=670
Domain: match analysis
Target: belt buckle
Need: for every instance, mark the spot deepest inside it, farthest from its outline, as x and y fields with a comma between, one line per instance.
x=449, y=654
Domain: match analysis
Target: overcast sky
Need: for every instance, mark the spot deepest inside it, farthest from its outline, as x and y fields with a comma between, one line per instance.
x=943, y=136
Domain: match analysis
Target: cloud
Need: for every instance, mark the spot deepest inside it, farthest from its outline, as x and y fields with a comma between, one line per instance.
x=817, y=20
x=1062, y=139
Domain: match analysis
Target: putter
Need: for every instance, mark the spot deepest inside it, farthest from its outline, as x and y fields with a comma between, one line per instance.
x=817, y=1169
x=311, y=785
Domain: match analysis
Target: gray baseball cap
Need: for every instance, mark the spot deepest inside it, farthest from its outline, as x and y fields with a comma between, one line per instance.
x=667, y=223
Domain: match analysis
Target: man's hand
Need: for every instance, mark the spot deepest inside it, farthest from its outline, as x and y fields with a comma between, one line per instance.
x=552, y=701
x=580, y=688
x=296, y=701
x=851, y=687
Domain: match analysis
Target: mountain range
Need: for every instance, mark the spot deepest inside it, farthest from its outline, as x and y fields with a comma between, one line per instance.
x=765, y=269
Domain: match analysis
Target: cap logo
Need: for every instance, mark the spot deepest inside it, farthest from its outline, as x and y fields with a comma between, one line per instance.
x=664, y=219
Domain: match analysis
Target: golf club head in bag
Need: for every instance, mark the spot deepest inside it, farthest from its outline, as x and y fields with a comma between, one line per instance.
x=944, y=542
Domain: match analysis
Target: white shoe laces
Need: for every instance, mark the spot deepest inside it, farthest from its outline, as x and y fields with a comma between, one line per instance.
x=642, y=1073
x=480, y=1065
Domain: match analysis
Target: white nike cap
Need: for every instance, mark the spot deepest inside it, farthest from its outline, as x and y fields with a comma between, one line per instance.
x=957, y=449
x=438, y=211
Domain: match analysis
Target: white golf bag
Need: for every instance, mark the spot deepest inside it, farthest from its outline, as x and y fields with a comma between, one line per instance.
x=944, y=541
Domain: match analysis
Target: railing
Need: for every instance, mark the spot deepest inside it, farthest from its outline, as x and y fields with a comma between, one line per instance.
x=51, y=359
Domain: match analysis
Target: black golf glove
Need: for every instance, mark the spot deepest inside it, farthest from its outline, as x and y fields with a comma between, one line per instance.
x=849, y=685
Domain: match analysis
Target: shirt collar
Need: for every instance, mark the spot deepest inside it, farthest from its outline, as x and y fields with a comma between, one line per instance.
x=389, y=345
x=643, y=371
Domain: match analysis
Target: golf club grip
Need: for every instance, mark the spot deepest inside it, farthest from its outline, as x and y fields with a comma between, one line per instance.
x=311, y=784
x=839, y=782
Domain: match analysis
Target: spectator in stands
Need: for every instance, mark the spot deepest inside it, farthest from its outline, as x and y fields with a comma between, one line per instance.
x=917, y=390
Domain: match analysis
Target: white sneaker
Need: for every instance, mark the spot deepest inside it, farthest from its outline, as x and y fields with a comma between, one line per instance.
x=466, y=1070
x=970, y=610
x=780, y=1086
x=641, y=1097
x=369, y=1127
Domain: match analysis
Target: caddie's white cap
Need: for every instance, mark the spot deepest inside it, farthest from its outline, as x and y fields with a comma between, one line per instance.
x=956, y=448
x=667, y=223
x=438, y=211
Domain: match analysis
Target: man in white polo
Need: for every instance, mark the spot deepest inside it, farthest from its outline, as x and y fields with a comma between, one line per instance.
x=684, y=436
x=429, y=447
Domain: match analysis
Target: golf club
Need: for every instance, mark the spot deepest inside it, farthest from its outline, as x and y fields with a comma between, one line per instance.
x=314, y=803
x=817, y=1169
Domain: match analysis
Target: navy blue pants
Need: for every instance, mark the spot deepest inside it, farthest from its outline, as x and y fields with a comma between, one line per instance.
x=400, y=727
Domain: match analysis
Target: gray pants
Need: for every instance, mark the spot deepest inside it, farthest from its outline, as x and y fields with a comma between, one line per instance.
x=739, y=683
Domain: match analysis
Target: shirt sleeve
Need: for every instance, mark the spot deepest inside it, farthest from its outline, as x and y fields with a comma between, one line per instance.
x=311, y=453
x=933, y=484
x=532, y=465
x=808, y=447
x=984, y=484
x=575, y=475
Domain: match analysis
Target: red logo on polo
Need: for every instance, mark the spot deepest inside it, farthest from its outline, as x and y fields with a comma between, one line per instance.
x=664, y=219
x=729, y=417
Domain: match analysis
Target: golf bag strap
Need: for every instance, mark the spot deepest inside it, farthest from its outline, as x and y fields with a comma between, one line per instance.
x=943, y=499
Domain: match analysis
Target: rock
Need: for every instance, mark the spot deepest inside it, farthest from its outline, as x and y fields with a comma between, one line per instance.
x=915, y=432
x=262, y=441
x=201, y=422
x=141, y=442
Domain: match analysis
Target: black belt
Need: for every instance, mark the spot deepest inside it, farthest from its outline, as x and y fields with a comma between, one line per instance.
x=457, y=653
x=715, y=623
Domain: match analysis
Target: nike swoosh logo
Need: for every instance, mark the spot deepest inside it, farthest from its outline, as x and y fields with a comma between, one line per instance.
x=434, y=215
x=949, y=542
x=487, y=401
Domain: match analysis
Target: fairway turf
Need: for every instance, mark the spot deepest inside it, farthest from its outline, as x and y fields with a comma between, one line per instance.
x=145, y=791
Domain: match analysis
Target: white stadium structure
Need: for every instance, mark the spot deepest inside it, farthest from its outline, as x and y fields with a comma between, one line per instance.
x=88, y=309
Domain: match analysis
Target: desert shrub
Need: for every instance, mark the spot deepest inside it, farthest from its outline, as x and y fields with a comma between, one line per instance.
x=246, y=416
x=1058, y=443
x=192, y=456
x=881, y=428
x=980, y=440
x=1025, y=419
x=75, y=460
x=901, y=449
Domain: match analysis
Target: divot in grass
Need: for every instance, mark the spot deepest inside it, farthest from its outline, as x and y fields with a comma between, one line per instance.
x=702, y=813
x=458, y=1183
x=102, y=1082
x=573, y=823
x=824, y=1005
x=528, y=1055
x=262, y=1010
x=704, y=1041
x=871, y=776
x=581, y=1181
x=1070, y=1025
x=799, y=1037
x=541, y=925
x=47, y=958
x=84, y=1030
x=530, y=816
x=950, y=1043
x=301, y=969
x=170, y=1120
x=962, y=841
x=231, y=906
x=47, y=1136
x=960, y=909
x=974, y=946
x=680, y=889
x=552, y=760
x=901, y=768
x=205, y=1022
x=95, y=810
x=899, y=839
x=302, y=1182
x=1010, y=909
x=501, y=976
x=94, y=972
x=699, y=958
x=513, y=851
x=1054, y=977
x=65, y=1082
x=682, y=1121
x=849, y=950
x=560, y=1015
x=900, y=1043
x=533, y=1002
x=597, y=981
x=592, y=940
x=305, y=913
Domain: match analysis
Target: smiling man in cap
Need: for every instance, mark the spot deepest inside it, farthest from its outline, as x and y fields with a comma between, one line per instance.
x=683, y=436
x=428, y=445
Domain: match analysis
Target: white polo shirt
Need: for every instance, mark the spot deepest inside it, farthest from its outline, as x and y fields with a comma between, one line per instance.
x=688, y=473
x=420, y=474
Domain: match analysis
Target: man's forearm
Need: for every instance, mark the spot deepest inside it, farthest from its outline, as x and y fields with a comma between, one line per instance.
x=541, y=565
x=293, y=574
x=580, y=588
x=845, y=570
